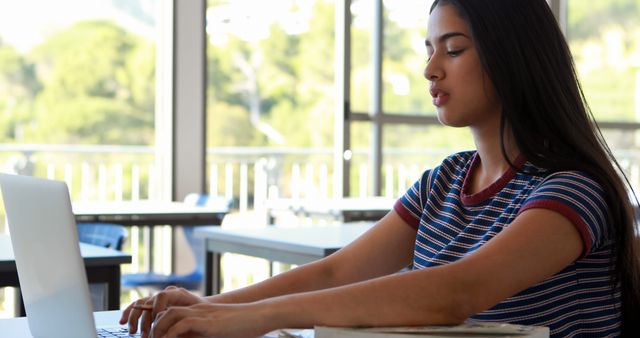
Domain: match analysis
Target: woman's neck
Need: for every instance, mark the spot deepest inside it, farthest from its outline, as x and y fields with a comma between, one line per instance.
x=492, y=163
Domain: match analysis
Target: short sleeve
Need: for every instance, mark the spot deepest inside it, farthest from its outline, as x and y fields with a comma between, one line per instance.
x=411, y=205
x=578, y=198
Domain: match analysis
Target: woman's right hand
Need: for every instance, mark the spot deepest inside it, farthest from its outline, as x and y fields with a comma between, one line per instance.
x=145, y=310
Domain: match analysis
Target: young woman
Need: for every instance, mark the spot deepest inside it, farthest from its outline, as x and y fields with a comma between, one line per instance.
x=533, y=227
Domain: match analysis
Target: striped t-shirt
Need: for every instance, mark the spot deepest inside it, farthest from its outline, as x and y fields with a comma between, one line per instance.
x=579, y=300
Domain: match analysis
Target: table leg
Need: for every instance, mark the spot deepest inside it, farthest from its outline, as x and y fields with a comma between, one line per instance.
x=111, y=276
x=213, y=276
x=150, y=248
x=113, y=289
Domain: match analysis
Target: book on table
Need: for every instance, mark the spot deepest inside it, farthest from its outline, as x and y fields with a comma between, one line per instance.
x=466, y=330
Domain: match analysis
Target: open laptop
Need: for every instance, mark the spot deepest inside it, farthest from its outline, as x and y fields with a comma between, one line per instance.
x=50, y=268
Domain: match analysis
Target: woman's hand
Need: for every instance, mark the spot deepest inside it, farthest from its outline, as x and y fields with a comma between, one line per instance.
x=213, y=320
x=146, y=309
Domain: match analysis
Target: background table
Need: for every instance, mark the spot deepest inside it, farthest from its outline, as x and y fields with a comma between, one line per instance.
x=102, y=265
x=349, y=209
x=150, y=214
x=287, y=245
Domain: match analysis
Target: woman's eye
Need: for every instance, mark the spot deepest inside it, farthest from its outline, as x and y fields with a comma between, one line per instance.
x=454, y=52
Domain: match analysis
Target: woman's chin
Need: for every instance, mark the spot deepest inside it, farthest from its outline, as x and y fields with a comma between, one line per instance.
x=450, y=121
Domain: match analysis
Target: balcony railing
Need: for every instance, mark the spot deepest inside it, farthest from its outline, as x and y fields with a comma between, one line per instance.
x=248, y=175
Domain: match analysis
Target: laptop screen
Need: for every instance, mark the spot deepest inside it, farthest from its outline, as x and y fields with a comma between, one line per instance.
x=50, y=268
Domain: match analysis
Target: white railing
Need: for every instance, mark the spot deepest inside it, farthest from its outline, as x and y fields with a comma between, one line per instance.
x=253, y=175
x=249, y=176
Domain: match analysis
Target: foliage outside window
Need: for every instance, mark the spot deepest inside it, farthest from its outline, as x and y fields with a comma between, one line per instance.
x=78, y=74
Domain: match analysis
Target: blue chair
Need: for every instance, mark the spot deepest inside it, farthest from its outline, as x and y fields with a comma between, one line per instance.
x=106, y=235
x=189, y=281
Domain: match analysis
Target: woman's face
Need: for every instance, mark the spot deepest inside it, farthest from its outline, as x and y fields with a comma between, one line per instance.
x=462, y=93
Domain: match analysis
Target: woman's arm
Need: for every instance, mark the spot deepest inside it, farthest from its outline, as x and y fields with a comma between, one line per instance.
x=384, y=249
x=537, y=244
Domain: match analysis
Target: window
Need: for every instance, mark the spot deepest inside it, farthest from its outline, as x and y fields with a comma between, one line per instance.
x=270, y=96
x=410, y=135
x=404, y=90
x=77, y=96
x=604, y=37
x=78, y=93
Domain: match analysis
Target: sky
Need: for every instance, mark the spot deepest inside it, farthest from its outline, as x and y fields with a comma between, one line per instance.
x=26, y=23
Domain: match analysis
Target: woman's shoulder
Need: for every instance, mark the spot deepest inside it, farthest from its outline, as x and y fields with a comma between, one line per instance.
x=567, y=176
x=572, y=178
x=574, y=188
x=459, y=160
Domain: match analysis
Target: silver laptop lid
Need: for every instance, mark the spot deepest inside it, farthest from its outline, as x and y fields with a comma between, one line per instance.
x=47, y=253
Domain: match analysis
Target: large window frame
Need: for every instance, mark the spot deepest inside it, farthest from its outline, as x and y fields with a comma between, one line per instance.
x=186, y=119
x=181, y=99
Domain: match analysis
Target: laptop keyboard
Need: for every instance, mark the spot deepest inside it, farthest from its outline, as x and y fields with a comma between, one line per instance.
x=111, y=332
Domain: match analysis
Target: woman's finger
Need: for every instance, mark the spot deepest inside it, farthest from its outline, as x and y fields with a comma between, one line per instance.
x=160, y=302
x=181, y=327
x=125, y=314
x=145, y=323
x=167, y=319
x=134, y=314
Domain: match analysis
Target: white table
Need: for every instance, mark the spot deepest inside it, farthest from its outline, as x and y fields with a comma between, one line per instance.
x=348, y=209
x=19, y=328
x=287, y=245
x=150, y=214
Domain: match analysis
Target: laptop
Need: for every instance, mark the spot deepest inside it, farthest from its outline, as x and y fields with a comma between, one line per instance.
x=50, y=268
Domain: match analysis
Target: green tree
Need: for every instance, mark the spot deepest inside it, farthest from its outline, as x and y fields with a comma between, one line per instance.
x=604, y=37
x=587, y=18
x=98, y=85
x=18, y=87
x=283, y=84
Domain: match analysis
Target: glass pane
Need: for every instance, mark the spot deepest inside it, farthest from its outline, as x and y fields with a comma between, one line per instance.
x=361, y=73
x=405, y=90
x=270, y=96
x=407, y=151
x=77, y=97
x=624, y=144
x=78, y=93
x=360, y=183
x=604, y=37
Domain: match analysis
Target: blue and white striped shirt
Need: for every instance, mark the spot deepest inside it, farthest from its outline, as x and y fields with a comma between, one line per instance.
x=579, y=300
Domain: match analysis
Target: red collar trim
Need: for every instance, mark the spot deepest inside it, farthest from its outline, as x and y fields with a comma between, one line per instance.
x=492, y=189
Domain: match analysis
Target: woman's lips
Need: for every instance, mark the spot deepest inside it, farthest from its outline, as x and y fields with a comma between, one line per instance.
x=439, y=97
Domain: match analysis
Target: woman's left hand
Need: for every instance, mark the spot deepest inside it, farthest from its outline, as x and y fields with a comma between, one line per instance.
x=212, y=320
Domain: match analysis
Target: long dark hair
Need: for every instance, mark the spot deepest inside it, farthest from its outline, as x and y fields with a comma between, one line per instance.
x=524, y=53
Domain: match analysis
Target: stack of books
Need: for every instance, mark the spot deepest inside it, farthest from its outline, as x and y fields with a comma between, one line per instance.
x=469, y=329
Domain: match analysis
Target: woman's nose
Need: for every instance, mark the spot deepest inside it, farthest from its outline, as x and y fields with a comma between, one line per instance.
x=432, y=71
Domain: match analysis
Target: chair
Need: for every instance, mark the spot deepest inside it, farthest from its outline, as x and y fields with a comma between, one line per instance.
x=106, y=235
x=189, y=281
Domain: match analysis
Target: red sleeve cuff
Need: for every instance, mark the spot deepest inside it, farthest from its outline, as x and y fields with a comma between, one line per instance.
x=406, y=216
x=567, y=212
